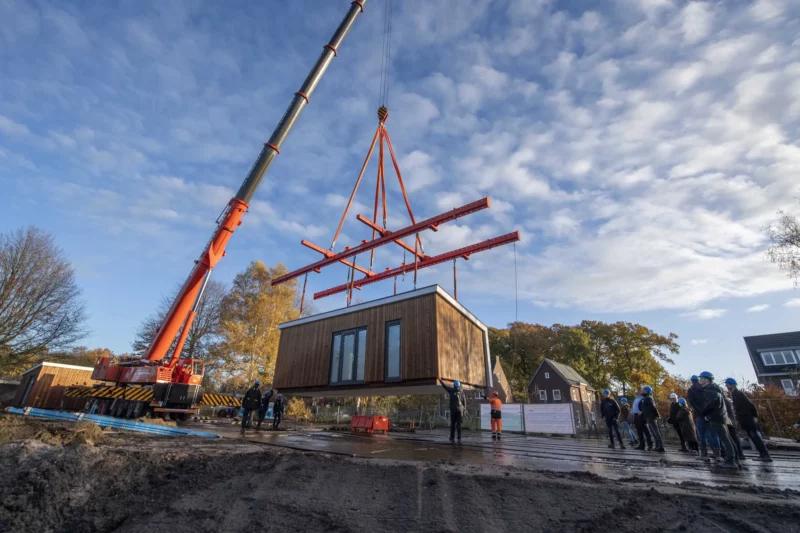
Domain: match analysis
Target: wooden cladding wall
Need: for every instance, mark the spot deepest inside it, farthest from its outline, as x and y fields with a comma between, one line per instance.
x=460, y=346
x=304, y=351
x=51, y=384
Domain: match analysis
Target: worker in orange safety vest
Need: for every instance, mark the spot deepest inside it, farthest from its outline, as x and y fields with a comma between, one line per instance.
x=496, y=415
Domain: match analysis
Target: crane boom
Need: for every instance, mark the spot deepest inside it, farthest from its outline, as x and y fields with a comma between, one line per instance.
x=183, y=310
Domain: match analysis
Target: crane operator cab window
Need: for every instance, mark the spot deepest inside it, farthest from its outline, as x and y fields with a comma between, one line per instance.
x=198, y=368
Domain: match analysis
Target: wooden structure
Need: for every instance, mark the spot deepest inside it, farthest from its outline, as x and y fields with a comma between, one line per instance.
x=559, y=383
x=45, y=385
x=395, y=345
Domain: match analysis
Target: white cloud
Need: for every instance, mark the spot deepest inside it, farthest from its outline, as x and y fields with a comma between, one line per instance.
x=697, y=21
x=695, y=342
x=758, y=308
x=11, y=128
x=705, y=314
x=794, y=302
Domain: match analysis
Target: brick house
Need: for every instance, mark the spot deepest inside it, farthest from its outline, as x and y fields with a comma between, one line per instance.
x=559, y=383
x=775, y=360
x=500, y=382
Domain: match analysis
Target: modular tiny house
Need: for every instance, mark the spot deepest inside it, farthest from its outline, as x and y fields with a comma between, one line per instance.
x=395, y=345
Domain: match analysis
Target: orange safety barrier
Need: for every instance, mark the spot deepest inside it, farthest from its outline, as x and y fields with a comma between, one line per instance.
x=370, y=424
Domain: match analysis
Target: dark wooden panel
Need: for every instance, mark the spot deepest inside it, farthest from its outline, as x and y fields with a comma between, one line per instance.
x=52, y=383
x=304, y=351
x=460, y=346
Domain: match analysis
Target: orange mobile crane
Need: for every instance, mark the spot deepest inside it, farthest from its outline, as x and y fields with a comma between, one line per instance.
x=171, y=385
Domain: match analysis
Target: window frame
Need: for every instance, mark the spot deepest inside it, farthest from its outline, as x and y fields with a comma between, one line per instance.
x=554, y=395
x=791, y=387
x=543, y=392
x=547, y=375
x=342, y=334
x=782, y=352
x=391, y=323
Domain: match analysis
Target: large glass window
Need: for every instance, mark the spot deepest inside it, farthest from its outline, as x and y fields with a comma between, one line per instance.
x=783, y=357
x=336, y=357
x=392, y=359
x=362, y=352
x=348, y=355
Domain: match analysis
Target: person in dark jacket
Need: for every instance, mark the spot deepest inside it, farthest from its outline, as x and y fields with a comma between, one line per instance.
x=264, y=407
x=747, y=416
x=641, y=425
x=706, y=437
x=651, y=415
x=458, y=406
x=609, y=410
x=277, y=411
x=715, y=413
x=250, y=404
x=683, y=418
x=731, y=412
x=626, y=417
x=673, y=411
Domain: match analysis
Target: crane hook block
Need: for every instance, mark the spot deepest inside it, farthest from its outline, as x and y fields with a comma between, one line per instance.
x=383, y=113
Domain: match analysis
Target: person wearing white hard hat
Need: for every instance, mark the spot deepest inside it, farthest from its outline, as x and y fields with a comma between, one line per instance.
x=673, y=419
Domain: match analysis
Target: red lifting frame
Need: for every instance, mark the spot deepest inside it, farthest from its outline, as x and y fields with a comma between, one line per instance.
x=424, y=263
x=385, y=236
x=389, y=236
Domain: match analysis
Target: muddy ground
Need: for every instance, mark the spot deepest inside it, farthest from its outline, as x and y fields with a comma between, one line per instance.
x=125, y=482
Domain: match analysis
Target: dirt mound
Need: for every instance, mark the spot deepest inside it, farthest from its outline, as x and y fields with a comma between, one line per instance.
x=17, y=428
x=158, y=422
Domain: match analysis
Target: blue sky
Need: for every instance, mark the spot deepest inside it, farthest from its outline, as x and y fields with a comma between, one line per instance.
x=639, y=145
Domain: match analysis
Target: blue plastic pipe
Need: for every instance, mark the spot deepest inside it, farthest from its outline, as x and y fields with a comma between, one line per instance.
x=110, y=422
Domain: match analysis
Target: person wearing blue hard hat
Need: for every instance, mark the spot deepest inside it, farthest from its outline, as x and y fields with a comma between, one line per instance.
x=458, y=406
x=609, y=410
x=715, y=413
x=250, y=404
x=683, y=418
x=706, y=437
x=747, y=416
x=673, y=412
x=641, y=424
x=651, y=415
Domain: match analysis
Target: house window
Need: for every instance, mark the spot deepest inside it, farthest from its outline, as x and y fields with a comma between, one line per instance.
x=574, y=395
x=543, y=395
x=782, y=357
x=347, y=356
x=788, y=388
x=392, y=355
x=547, y=375
x=556, y=395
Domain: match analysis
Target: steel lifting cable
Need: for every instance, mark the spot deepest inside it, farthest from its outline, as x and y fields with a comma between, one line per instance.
x=383, y=97
x=516, y=293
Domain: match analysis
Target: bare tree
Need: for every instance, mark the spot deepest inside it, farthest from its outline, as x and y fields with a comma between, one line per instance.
x=205, y=328
x=784, y=250
x=40, y=302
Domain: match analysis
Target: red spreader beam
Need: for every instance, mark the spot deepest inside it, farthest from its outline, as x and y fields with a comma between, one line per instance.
x=428, y=261
x=431, y=223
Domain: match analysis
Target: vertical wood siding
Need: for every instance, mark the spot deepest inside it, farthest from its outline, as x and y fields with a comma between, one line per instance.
x=460, y=346
x=304, y=351
x=51, y=384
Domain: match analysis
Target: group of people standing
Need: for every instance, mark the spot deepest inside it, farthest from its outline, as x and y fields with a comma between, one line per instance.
x=704, y=420
x=254, y=402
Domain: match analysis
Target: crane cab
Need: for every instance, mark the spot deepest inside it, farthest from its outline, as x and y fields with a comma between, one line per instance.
x=189, y=372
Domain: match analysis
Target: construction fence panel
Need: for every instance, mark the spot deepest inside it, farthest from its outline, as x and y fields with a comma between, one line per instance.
x=549, y=418
x=513, y=418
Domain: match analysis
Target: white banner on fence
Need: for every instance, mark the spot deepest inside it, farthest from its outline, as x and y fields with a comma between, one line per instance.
x=512, y=417
x=549, y=418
